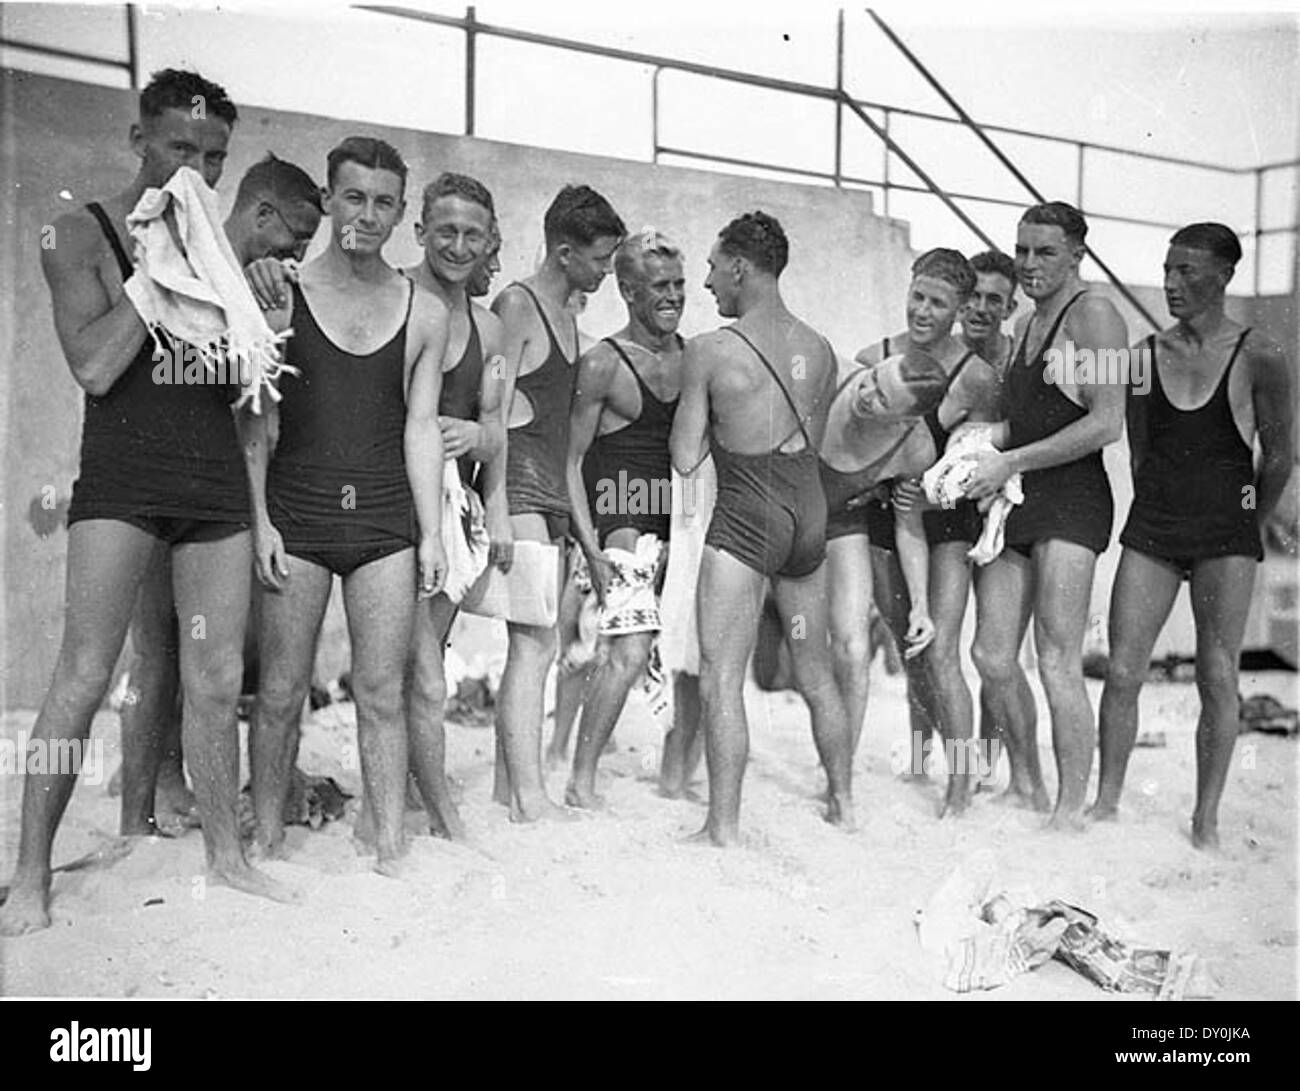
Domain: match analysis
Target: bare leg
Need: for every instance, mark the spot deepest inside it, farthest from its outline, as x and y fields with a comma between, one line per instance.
x=379, y=598
x=805, y=601
x=571, y=680
x=519, y=702
x=291, y=619
x=1221, y=591
x=625, y=659
x=106, y=562
x=1002, y=614
x=683, y=743
x=889, y=592
x=1140, y=601
x=211, y=581
x=848, y=570
x=149, y=711
x=949, y=589
x=730, y=598
x=1062, y=593
x=426, y=698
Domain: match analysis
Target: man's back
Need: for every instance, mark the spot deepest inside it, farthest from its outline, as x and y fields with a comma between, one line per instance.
x=749, y=413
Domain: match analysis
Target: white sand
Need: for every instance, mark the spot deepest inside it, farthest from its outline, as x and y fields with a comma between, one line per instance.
x=614, y=906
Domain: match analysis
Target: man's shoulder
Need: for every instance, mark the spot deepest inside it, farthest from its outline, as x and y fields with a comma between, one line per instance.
x=513, y=304
x=1264, y=355
x=489, y=324
x=599, y=360
x=73, y=236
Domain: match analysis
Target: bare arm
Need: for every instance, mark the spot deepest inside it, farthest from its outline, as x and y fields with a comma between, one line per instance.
x=914, y=559
x=97, y=325
x=494, y=411
x=690, y=441
x=1135, y=415
x=1274, y=400
x=595, y=376
x=423, y=438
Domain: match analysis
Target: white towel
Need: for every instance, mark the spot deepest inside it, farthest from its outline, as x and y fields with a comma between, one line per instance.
x=464, y=533
x=693, y=500
x=947, y=480
x=195, y=293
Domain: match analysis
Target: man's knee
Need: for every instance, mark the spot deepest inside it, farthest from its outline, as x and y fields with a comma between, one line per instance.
x=1216, y=673
x=852, y=649
x=1125, y=674
x=995, y=662
x=1058, y=664
x=628, y=656
x=429, y=680
x=88, y=671
x=217, y=675
x=378, y=695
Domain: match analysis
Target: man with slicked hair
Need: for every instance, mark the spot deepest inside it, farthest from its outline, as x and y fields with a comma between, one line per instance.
x=1211, y=388
x=756, y=395
x=1057, y=422
x=582, y=231
x=160, y=463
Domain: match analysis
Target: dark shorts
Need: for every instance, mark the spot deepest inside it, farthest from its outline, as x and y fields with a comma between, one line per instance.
x=558, y=523
x=342, y=558
x=770, y=513
x=960, y=524
x=1184, y=563
x=170, y=529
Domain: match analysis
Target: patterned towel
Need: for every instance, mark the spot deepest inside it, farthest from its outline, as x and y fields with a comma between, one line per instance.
x=188, y=287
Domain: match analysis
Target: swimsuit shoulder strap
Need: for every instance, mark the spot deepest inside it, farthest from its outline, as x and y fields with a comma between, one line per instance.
x=1056, y=325
x=106, y=225
x=1236, y=351
x=960, y=364
x=640, y=382
x=550, y=331
x=794, y=408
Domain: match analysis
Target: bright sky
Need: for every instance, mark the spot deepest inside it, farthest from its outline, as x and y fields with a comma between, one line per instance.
x=1214, y=87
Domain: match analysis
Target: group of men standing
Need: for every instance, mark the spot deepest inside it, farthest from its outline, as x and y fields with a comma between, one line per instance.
x=180, y=501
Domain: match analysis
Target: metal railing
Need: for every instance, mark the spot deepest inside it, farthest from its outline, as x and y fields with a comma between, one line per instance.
x=862, y=109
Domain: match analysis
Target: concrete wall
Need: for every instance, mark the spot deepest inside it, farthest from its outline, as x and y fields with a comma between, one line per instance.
x=63, y=143
x=847, y=275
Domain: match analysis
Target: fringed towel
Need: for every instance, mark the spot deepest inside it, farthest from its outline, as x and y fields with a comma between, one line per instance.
x=189, y=288
x=947, y=480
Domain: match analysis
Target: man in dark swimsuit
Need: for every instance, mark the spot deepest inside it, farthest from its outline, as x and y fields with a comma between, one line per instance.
x=623, y=405
x=456, y=230
x=990, y=306
x=938, y=696
x=1053, y=435
x=582, y=232
x=159, y=462
x=769, y=522
x=276, y=213
x=871, y=439
x=354, y=490
x=1198, y=505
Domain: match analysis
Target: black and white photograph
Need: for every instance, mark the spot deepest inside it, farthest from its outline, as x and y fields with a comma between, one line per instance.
x=684, y=501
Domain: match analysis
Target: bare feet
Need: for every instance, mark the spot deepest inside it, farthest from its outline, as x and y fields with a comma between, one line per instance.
x=1205, y=835
x=956, y=800
x=243, y=876
x=712, y=835
x=26, y=909
x=1030, y=801
x=1103, y=811
x=542, y=810
x=839, y=812
x=447, y=824
x=174, y=803
x=1067, y=822
x=584, y=798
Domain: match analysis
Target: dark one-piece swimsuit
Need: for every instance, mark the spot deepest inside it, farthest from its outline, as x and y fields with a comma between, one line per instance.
x=337, y=488
x=770, y=512
x=1189, y=488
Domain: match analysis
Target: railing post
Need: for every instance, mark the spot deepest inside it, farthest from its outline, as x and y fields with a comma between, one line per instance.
x=1078, y=178
x=132, y=48
x=471, y=36
x=654, y=113
x=839, y=100
x=884, y=174
x=1259, y=222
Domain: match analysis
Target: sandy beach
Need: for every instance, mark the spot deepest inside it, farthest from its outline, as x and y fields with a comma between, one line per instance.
x=614, y=905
